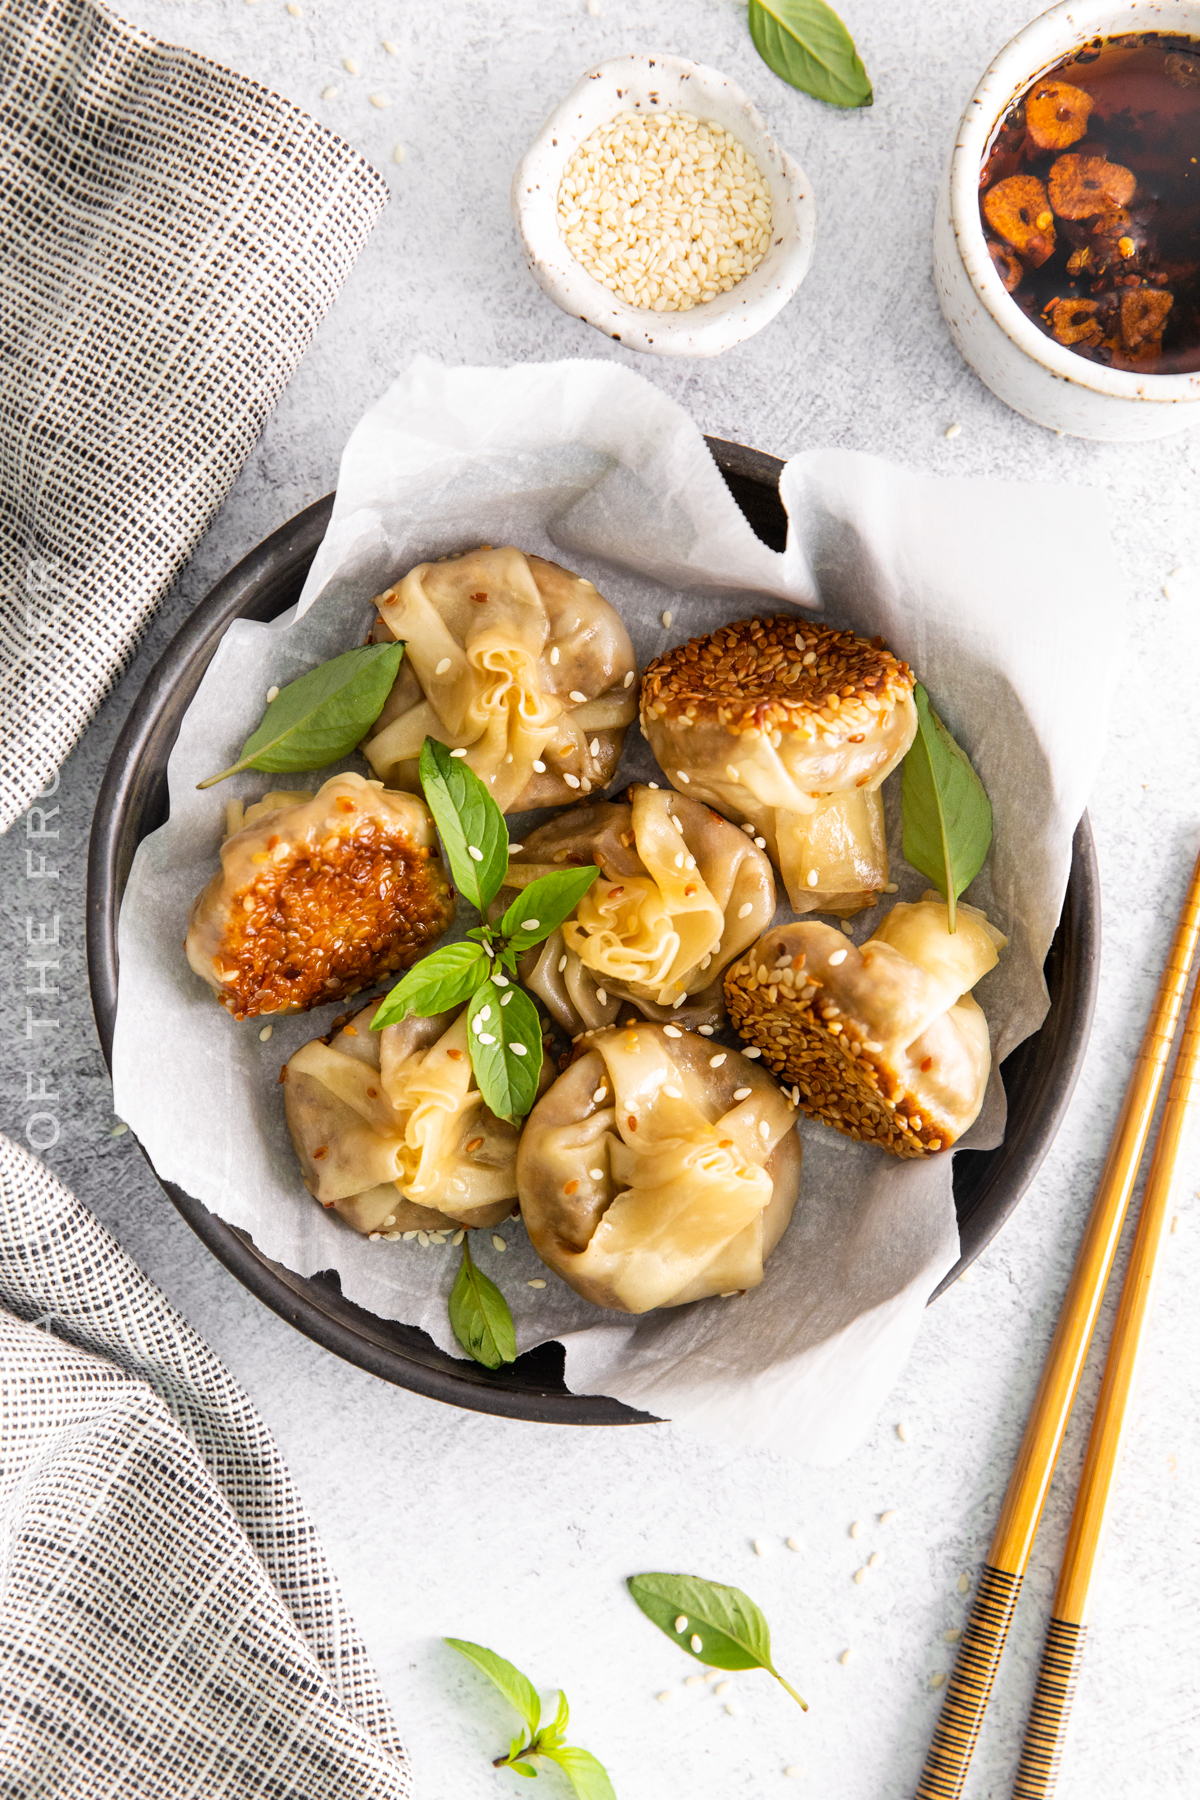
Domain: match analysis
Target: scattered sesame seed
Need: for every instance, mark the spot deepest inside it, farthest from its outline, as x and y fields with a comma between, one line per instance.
x=530, y=924
x=654, y=785
x=847, y=928
x=730, y=1709
x=594, y=747
x=952, y=431
x=519, y=1049
x=682, y=775
x=742, y=1093
x=749, y=830
x=665, y=1695
x=678, y=1002
x=272, y=694
x=458, y=753
x=693, y=1681
x=681, y=1623
x=839, y=956
x=475, y=854
x=885, y=1518
x=458, y=1237
x=793, y=1543
x=964, y=1584
x=668, y=620
x=593, y=7
x=576, y=696
x=397, y=153
x=498, y=1243
x=697, y=1643
x=760, y=843
x=535, y=1283
x=329, y=93
x=745, y=909
x=751, y=1052
x=294, y=10
x=875, y=1558
x=596, y=1174
x=764, y=1129
x=760, y=1548
x=902, y=1432
x=265, y=1033
x=628, y=681
x=572, y=781
x=392, y=49
x=856, y=1529
x=714, y=1062
x=672, y=1031
x=793, y=1771
x=554, y=654
x=938, y=1679
x=722, y=1688
x=119, y=1129
x=860, y=1575
x=423, y=1239
x=350, y=66
x=812, y=877
x=540, y=767
x=706, y=1030
x=373, y=1237
x=891, y=887
x=442, y=666
x=952, y=1636
x=600, y=1094
x=602, y=996
x=845, y=1656
x=562, y=963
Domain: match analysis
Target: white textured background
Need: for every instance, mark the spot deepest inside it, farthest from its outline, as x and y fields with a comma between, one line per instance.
x=517, y=1535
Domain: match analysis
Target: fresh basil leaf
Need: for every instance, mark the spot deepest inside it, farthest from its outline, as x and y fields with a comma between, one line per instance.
x=471, y=824
x=505, y=1041
x=321, y=716
x=729, y=1628
x=806, y=43
x=443, y=979
x=517, y=1689
x=588, y=1777
x=521, y=1768
x=551, y=1736
x=947, y=814
x=541, y=908
x=482, y=1323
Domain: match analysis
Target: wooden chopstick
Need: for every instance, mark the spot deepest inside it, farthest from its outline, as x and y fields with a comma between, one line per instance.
x=1037, y=1776
x=983, y=1640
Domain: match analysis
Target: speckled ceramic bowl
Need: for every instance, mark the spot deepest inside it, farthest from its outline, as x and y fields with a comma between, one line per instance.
x=1047, y=382
x=647, y=84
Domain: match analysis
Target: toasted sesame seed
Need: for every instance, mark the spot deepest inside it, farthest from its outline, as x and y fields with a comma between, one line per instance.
x=742, y=1093
x=697, y=1643
x=682, y=775
x=745, y=909
x=938, y=1679
x=602, y=996
x=423, y=1239
x=629, y=679
x=764, y=1129
x=668, y=620
x=594, y=747
x=751, y=1052
x=572, y=781
x=891, y=887
x=672, y=1031
x=847, y=928
x=714, y=1062
x=530, y=924
x=458, y=753
x=749, y=830
x=458, y=1237
x=519, y=1049
x=681, y=1623
x=498, y=1243
x=539, y=767
x=952, y=431
x=678, y=1002
x=265, y=1034
x=760, y=843
x=272, y=694
x=475, y=854
x=964, y=1584
x=577, y=697
x=373, y=1237
x=839, y=956
x=537, y=1282
x=442, y=666
x=562, y=963
x=706, y=1030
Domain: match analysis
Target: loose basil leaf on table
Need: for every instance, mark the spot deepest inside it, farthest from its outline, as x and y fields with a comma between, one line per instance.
x=729, y=1629
x=320, y=717
x=505, y=1039
x=947, y=814
x=471, y=825
x=806, y=43
x=541, y=908
x=479, y=1315
x=517, y=1689
x=441, y=980
x=588, y=1777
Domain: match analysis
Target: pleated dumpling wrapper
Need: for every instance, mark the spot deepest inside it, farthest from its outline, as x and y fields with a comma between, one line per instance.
x=392, y=1131
x=520, y=664
x=680, y=893
x=885, y=1043
x=793, y=728
x=318, y=896
x=658, y=1169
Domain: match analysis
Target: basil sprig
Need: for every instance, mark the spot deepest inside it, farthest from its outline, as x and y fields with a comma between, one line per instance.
x=320, y=717
x=947, y=814
x=505, y=1047
x=806, y=43
x=588, y=1778
x=717, y=1625
x=479, y=1315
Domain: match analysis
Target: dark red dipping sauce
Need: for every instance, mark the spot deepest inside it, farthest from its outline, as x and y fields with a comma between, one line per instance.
x=1090, y=201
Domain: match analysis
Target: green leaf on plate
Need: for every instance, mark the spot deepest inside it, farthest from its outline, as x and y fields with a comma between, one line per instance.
x=517, y=1689
x=471, y=824
x=320, y=717
x=505, y=1041
x=483, y=1325
x=730, y=1631
x=947, y=814
x=443, y=979
x=541, y=908
x=806, y=43
x=588, y=1777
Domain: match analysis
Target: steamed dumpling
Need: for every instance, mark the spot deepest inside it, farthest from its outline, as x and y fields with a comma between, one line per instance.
x=318, y=896
x=885, y=1043
x=392, y=1131
x=648, y=1177
x=681, y=892
x=790, y=727
x=522, y=664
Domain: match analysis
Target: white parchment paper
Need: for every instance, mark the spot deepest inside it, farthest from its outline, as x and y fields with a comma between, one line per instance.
x=1013, y=625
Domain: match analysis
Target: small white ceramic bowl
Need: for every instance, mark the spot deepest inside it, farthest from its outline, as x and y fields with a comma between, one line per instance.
x=1034, y=375
x=648, y=84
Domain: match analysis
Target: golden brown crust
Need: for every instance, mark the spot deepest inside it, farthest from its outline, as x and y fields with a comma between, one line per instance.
x=806, y=1040
x=776, y=674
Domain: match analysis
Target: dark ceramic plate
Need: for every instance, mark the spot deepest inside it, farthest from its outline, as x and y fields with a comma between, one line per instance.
x=1039, y=1076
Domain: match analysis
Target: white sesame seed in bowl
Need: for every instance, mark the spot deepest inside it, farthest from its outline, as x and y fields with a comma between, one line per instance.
x=655, y=205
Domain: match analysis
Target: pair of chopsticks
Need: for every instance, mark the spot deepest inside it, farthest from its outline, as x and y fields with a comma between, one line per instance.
x=983, y=1640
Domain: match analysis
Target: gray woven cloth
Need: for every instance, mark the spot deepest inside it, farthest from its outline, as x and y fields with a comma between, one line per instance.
x=168, y=1625
x=171, y=235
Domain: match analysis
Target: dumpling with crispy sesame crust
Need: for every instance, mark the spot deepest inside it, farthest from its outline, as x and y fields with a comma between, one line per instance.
x=519, y=665
x=658, y=1169
x=791, y=727
x=318, y=896
x=392, y=1131
x=681, y=892
x=884, y=1042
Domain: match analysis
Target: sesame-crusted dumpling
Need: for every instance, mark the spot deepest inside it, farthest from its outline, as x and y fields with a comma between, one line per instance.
x=791, y=727
x=680, y=892
x=391, y=1129
x=522, y=665
x=318, y=896
x=658, y=1169
x=885, y=1043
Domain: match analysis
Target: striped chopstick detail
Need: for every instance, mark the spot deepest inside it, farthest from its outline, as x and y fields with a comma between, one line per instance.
x=1041, y=1756
x=970, y=1686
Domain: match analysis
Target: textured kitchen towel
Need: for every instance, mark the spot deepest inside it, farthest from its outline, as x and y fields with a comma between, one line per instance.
x=168, y=1625
x=171, y=235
